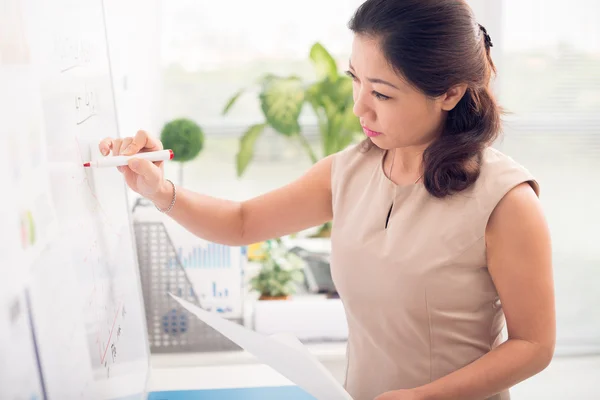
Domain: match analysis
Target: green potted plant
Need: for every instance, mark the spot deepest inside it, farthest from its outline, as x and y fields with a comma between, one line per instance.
x=185, y=138
x=280, y=271
x=282, y=100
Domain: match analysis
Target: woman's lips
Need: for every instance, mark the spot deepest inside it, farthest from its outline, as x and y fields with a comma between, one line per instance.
x=370, y=133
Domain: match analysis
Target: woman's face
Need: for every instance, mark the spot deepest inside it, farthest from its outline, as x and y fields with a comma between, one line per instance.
x=393, y=113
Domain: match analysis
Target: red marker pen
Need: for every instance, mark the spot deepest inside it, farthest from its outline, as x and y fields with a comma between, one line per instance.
x=119, y=161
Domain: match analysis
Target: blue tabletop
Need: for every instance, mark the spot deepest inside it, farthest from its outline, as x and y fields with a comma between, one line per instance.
x=261, y=393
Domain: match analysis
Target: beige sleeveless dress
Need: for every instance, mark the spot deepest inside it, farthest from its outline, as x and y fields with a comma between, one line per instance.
x=419, y=300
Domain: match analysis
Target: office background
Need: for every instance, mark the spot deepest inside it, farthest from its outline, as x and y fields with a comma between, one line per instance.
x=186, y=58
x=191, y=56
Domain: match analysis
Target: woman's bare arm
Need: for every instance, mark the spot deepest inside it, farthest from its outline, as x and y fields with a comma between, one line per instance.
x=302, y=204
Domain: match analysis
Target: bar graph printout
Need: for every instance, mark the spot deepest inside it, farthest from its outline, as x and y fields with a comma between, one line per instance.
x=215, y=270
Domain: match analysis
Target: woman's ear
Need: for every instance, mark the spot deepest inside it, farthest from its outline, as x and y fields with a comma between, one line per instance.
x=450, y=99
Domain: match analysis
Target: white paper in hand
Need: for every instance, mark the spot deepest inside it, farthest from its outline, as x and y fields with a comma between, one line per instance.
x=283, y=353
x=293, y=342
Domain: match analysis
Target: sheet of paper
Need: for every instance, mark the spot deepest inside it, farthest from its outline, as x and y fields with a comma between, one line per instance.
x=281, y=352
x=292, y=341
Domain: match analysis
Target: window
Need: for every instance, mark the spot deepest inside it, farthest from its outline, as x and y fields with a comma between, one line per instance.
x=210, y=50
x=551, y=63
x=549, y=82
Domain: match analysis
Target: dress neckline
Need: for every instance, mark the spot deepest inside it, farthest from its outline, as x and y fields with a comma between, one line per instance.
x=396, y=186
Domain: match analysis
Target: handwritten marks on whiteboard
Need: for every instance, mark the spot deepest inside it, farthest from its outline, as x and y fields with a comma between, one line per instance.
x=110, y=343
x=82, y=88
x=85, y=105
x=74, y=60
x=72, y=53
x=85, y=276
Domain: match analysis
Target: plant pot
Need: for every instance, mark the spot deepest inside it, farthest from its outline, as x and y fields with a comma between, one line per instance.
x=266, y=297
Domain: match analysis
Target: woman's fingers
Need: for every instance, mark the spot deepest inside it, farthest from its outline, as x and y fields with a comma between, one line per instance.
x=106, y=146
x=142, y=142
x=124, y=144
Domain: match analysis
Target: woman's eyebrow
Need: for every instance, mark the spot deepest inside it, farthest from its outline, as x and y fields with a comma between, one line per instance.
x=377, y=80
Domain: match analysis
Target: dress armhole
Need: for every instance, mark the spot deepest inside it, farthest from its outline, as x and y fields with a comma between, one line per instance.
x=338, y=163
x=498, y=189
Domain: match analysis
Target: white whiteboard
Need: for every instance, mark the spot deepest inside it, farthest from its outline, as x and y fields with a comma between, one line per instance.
x=19, y=370
x=73, y=254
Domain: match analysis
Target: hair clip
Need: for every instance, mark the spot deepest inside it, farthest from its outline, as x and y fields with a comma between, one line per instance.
x=486, y=36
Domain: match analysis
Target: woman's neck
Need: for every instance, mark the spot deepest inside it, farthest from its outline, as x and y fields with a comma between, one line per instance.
x=404, y=165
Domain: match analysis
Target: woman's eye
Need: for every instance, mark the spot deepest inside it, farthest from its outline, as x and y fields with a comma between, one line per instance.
x=380, y=96
x=377, y=95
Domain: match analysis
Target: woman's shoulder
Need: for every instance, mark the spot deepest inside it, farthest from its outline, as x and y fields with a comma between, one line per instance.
x=497, y=166
x=356, y=154
x=353, y=167
x=495, y=158
x=500, y=173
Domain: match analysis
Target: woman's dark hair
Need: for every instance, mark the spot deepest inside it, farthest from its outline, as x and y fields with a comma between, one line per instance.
x=435, y=45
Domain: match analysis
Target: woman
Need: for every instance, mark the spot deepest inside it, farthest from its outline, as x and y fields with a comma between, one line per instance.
x=437, y=240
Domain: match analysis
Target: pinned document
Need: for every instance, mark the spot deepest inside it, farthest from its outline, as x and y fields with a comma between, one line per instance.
x=284, y=353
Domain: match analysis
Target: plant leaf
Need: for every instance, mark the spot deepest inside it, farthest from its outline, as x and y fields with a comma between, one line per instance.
x=323, y=61
x=297, y=276
x=246, y=151
x=281, y=101
x=232, y=101
x=332, y=102
x=350, y=126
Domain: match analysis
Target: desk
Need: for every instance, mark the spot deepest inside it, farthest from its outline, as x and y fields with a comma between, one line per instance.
x=262, y=393
x=231, y=376
x=200, y=377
